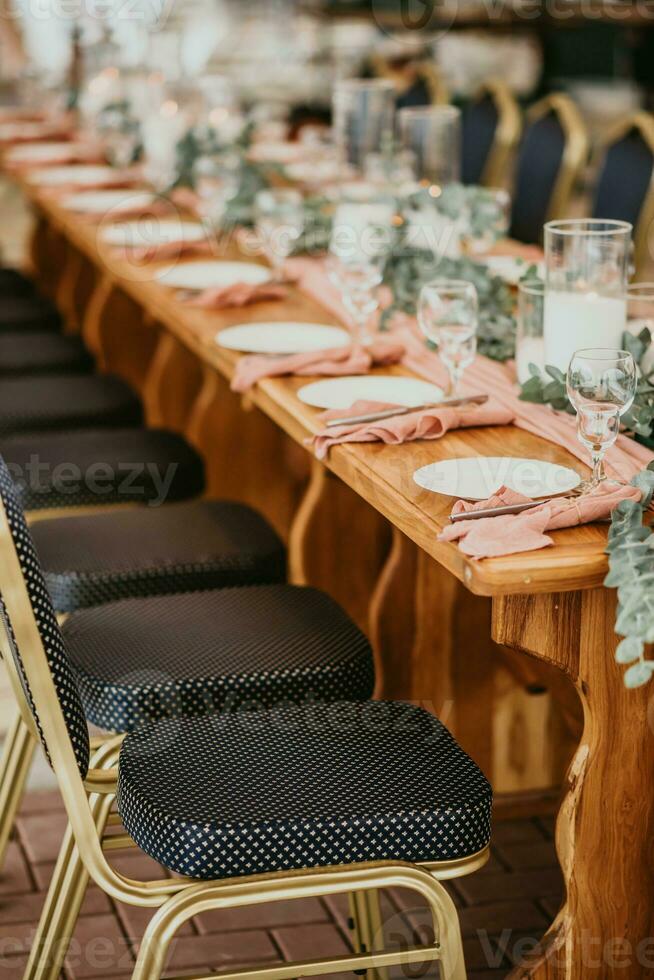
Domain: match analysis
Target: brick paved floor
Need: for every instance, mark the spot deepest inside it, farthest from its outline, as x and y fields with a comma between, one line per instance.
x=503, y=910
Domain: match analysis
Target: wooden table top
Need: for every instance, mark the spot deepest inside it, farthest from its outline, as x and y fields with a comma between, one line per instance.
x=381, y=474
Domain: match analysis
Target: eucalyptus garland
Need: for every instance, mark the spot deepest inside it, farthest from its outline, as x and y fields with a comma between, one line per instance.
x=631, y=571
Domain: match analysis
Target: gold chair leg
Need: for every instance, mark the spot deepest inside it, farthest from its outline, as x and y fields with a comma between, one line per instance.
x=14, y=768
x=368, y=929
x=178, y=909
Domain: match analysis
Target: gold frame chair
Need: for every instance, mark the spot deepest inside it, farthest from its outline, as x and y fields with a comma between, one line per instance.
x=426, y=70
x=643, y=122
x=507, y=131
x=83, y=853
x=575, y=153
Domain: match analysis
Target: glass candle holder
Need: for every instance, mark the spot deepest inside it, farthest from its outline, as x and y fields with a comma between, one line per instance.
x=586, y=269
x=432, y=134
x=363, y=119
x=529, y=343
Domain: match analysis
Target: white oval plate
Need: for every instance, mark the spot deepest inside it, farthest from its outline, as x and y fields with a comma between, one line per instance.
x=81, y=175
x=282, y=338
x=152, y=231
x=99, y=202
x=479, y=477
x=210, y=274
x=43, y=152
x=511, y=269
x=343, y=392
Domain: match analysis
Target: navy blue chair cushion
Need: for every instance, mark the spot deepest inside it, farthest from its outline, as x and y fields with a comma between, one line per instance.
x=27, y=312
x=66, y=401
x=302, y=786
x=142, y=660
x=478, y=125
x=44, y=614
x=145, y=551
x=415, y=96
x=100, y=467
x=42, y=353
x=625, y=179
x=539, y=161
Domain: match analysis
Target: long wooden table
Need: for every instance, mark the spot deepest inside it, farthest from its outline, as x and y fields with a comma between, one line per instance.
x=358, y=526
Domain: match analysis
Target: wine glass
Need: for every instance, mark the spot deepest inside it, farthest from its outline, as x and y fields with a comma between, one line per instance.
x=279, y=222
x=447, y=314
x=217, y=179
x=601, y=385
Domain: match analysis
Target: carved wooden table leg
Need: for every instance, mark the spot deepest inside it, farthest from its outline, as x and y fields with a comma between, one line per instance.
x=116, y=332
x=605, y=829
x=338, y=543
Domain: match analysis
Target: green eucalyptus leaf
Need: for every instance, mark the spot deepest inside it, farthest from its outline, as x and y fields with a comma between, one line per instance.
x=639, y=674
x=628, y=650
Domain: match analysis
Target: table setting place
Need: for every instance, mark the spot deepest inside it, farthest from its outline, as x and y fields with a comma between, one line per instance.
x=571, y=304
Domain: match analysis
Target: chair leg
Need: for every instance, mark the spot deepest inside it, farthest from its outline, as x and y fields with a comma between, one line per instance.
x=63, y=902
x=15, y=765
x=368, y=929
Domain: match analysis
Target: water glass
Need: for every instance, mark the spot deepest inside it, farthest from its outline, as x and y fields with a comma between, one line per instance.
x=447, y=314
x=432, y=134
x=217, y=179
x=601, y=386
x=363, y=119
x=279, y=222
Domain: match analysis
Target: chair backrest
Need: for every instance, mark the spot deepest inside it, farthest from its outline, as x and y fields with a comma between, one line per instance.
x=425, y=83
x=29, y=596
x=553, y=151
x=491, y=126
x=625, y=186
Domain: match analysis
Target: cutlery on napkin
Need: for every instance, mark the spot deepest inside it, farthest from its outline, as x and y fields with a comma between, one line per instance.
x=346, y=360
x=492, y=537
x=238, y=294
x=422, y=423
x=388, y=413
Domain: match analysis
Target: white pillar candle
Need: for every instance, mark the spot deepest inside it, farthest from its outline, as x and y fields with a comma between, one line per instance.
x=529, y=350
x=573, y=321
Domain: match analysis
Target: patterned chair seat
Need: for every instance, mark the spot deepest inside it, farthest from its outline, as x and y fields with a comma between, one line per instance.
x=41, y=353
x=301, y=786
x=204, y=544
x=141, y=660
x=23, y=311
x=66, y=401
x=102, y=467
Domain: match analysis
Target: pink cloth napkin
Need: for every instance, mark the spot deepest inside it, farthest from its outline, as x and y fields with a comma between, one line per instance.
x=623, y=460
x=490, y=537
x=240, y=294
x=430, y=423
x=337, y=361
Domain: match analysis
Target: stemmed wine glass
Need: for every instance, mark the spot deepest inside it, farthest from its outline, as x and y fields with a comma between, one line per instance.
x=216, y=178
x=601, y=385
x=279, y=222
x=447, y=314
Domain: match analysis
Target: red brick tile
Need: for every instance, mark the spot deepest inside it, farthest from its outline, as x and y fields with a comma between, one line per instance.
x=550, y=906
x=339, y=908
x=12, y=967
x=41, y=834
x=134, y=922
x=95, y=901
x=483, y=953
x=519, y=945
x=15, y=877
x=27, y=907
x=477, y=889
x=220, y=950
x=16, y=937
x=501, y=915
x=525, y=857
x=98, y=948
x=41, y=802
x=262, y=916
x=311, y=942
x=42, y=874
x=516, y=831
x=135, y=864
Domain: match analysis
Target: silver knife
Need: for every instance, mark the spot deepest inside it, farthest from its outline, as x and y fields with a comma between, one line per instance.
x=389, y=413
x=473, y=515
